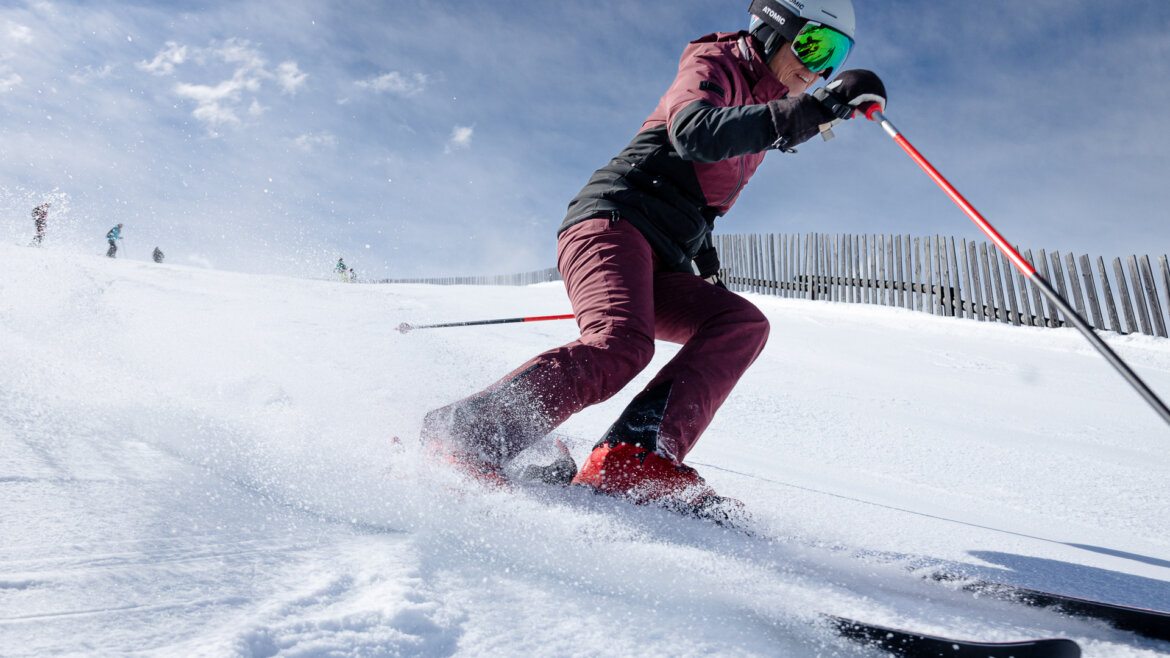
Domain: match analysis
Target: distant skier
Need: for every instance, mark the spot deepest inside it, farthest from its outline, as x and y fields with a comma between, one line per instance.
x=40, y=216
x=342, y=269
x=158, y=255
x=112, y=235
x=352, y=275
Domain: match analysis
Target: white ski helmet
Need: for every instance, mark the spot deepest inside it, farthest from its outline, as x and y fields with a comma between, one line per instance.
x=777, y=22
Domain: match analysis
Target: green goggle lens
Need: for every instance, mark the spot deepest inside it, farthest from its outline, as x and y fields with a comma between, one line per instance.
x=821, y=48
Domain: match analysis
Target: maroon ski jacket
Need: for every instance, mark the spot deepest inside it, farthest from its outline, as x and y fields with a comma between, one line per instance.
x=694, y=153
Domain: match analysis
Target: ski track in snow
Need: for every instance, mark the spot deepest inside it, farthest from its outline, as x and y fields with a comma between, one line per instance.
x=196, y=462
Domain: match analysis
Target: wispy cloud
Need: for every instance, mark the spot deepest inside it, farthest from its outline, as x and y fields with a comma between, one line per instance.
x=396, y=83
x=219, y=105
x=290, y=77
x=89, y=73
x=216, y=105
x=311, y=142
x=8, y=79
x=19, y=33
x=165, y=61
x=460, y=139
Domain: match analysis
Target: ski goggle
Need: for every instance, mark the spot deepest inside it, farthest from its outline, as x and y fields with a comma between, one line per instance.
x=821, y=48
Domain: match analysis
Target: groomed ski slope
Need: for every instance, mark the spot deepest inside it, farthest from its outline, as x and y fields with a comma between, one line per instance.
x=198, y=462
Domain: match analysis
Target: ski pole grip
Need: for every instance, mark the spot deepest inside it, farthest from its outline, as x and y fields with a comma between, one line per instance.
x=871, y=111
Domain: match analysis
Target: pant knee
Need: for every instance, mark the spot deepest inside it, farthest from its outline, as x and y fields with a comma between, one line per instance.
x=611, y=359
x=757, y=328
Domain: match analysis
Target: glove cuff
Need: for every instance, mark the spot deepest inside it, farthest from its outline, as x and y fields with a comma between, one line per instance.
x=797, y=120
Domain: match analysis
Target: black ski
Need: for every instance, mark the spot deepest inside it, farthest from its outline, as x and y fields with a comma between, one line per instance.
x=1153, y=624
x=909, y=644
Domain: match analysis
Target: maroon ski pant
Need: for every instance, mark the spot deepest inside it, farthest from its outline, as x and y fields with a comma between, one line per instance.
x=623, y=301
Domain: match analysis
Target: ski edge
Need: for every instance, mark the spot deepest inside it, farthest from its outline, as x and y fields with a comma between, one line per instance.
x=910, y=644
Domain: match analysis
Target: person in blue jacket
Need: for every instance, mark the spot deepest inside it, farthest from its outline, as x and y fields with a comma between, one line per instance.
x=112, y=235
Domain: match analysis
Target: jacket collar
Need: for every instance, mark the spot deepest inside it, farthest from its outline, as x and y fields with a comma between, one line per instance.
x=765, y=86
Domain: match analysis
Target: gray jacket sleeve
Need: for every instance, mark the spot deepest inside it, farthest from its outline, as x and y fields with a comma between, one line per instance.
x=705, y=133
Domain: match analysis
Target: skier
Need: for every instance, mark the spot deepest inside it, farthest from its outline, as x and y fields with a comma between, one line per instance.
x=112, y=235
x=341, y=269
x=158, y=255
x=639, y=264
x=40, y=216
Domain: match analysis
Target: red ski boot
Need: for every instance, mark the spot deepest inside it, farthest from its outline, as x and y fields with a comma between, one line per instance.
x=643, y=476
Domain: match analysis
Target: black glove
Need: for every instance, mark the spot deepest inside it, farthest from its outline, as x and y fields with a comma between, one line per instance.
x=852, y=90
x=707, y=261
x=797, y=120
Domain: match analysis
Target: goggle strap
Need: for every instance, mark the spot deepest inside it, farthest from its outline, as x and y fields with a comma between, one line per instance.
x=786, y=23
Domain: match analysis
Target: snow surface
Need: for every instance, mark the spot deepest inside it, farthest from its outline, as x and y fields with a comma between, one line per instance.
x=199, y=462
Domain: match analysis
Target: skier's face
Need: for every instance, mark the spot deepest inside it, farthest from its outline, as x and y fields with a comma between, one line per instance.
x=791, y=72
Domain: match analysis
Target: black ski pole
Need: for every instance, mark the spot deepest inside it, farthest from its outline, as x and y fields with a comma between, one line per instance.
x=406, y=326
x=873, y=113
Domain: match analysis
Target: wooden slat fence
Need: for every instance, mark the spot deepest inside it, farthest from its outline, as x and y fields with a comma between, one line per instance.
x=944, y=276
x=521, y=279
x=932, y=274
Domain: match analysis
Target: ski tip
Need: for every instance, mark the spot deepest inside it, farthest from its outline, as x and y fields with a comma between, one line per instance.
x=564, y=449
x=910, y=644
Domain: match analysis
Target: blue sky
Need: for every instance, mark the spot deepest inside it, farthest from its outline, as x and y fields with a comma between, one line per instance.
x=423, y=138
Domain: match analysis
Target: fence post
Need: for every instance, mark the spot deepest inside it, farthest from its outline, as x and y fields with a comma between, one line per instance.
x=966, y=275
x=1058, y=273
x=1028, y=318
x=1123, y=292
x=976, y=282
x=988, y=289
x=1152, y=296
x=758, y=264
x=1139, y=298
x=956, y=277
x=1165, y=265
x=897, y=273
x=1074, y=283
x=918, y=274
x=854, y=269
x=1114, y=322
x=1001, y=310
x=928, y=263
x=1013, y=307
x=806, y=267
x=889, y=283
x=785, y=265
x=1054, y=313
x=1038, y=302
x=773, y=265
x=864, y=271
x=1091, y=291
x=907, y=261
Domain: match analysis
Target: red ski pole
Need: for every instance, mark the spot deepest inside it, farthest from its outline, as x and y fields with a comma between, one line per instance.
x=406, y=326
x=873, y=113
